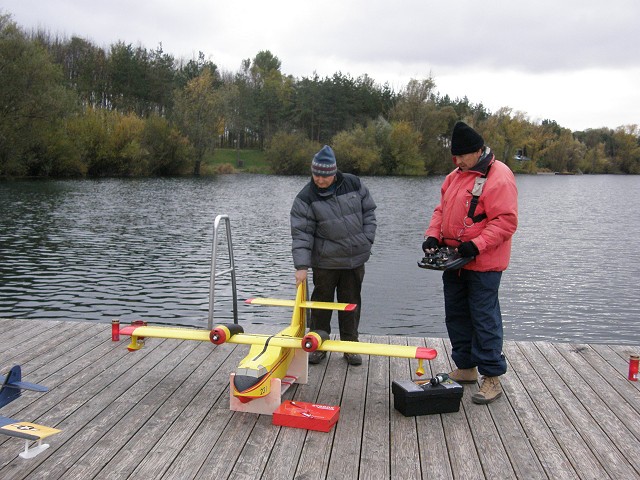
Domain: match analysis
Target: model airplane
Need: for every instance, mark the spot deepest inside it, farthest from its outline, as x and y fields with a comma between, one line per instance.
x=11, y=388
x=276, y=361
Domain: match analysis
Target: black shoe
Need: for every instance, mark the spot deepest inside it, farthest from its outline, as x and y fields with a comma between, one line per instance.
x=317, y=356
x=353, y=359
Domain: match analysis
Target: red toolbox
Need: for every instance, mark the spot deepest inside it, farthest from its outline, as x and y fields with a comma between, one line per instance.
x=311, y=416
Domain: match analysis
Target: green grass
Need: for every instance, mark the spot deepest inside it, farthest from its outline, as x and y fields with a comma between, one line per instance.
x=251, y=161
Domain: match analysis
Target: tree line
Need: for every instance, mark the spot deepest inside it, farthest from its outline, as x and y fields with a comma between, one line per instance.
x=69, y=108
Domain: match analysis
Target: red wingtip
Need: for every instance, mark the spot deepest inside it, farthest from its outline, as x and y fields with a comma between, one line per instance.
x=351, y=307
x=426, y=353
x=128, y=330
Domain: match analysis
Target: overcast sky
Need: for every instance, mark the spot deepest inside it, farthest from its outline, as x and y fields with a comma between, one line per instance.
x=573, y=61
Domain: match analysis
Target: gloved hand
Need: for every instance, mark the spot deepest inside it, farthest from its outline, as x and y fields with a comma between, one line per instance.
x=468, y=249
x=429, y=243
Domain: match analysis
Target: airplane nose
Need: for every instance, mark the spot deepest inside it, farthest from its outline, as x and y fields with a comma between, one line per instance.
x=242, y=383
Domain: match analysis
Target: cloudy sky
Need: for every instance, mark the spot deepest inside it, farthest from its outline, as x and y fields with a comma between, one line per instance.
x=573, y=61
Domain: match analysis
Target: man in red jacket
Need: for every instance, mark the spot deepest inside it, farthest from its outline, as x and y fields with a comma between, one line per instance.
x=477, y=214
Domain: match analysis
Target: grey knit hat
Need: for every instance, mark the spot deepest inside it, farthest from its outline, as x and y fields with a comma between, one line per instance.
x=324, y=163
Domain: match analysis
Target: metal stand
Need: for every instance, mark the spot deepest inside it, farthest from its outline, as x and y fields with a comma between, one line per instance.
x=214, y=273
x=32, y=452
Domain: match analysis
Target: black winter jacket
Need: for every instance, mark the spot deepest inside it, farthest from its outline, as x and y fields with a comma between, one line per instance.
x=333, y=230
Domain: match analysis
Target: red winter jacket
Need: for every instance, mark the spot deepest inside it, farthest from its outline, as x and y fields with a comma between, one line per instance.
x=499, y=201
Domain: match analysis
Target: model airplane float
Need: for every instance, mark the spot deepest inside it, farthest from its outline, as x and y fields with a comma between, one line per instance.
x=11, y=389
x=276, y=361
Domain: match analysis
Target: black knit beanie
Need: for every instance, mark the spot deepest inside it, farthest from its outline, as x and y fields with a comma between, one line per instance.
x=465, y=139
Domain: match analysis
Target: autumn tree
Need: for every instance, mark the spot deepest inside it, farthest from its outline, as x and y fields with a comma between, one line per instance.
x=199, y=113
x=404, y=146
x=627, y=149
x=169, y=152
x=84, y=67
x=416, y=105
x=272, y=92
x=290, y=153
x=357, y=151
x=33, y=105
x=505, y=133
x=563, y=154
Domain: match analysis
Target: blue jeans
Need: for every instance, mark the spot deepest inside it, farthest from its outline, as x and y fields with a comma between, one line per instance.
x=347, y=284
x=473, y=319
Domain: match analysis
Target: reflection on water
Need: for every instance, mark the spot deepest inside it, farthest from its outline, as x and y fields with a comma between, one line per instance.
x=102, y=249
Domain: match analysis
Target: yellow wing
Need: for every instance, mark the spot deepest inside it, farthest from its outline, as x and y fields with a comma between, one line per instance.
x=277, y=302
x=167, y=332
x=26, y=430
x=363, y=348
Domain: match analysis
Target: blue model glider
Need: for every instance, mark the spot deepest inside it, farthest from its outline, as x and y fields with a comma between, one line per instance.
x=11, y=388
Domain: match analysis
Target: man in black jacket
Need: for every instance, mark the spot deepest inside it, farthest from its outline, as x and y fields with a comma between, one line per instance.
x=333, y=226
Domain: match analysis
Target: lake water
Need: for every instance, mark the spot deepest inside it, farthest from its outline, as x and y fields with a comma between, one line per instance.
x=94, y=250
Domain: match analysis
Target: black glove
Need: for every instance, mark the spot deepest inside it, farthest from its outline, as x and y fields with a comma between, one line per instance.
x=468, y=249
x=429, y=243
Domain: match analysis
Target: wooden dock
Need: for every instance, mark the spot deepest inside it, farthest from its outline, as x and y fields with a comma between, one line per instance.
x=162, y=412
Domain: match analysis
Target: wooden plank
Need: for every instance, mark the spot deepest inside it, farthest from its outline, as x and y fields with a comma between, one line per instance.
x=518, y=448
x=61, y=401
x=203, y=442
x=582, y=357
x=33, y=406
x=78, y=390
x=163, y=412
x=39, y=368
x=545, y=446
x=618, y=370
x=611, y=433
x=39, y=359
x=625, y=351
x=35, y=338
x=54, y=359
x=94, y=417
x=375, y=451
x=577, y=404
x=432, y=442
x=317, y=449
x=225, y=452
x=491, y=452
x=255, y=452
x=287, y=450
x=463, y=455
x=12, y=327
x=57, y=368
x=582, y=459
x=347, y=441
x=575, y=420
x=132, y=436
x=16, y=326
x=405, y=456
x=178, y=440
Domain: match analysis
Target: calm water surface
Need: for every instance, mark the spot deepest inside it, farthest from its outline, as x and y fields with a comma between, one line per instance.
x=94, y=250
